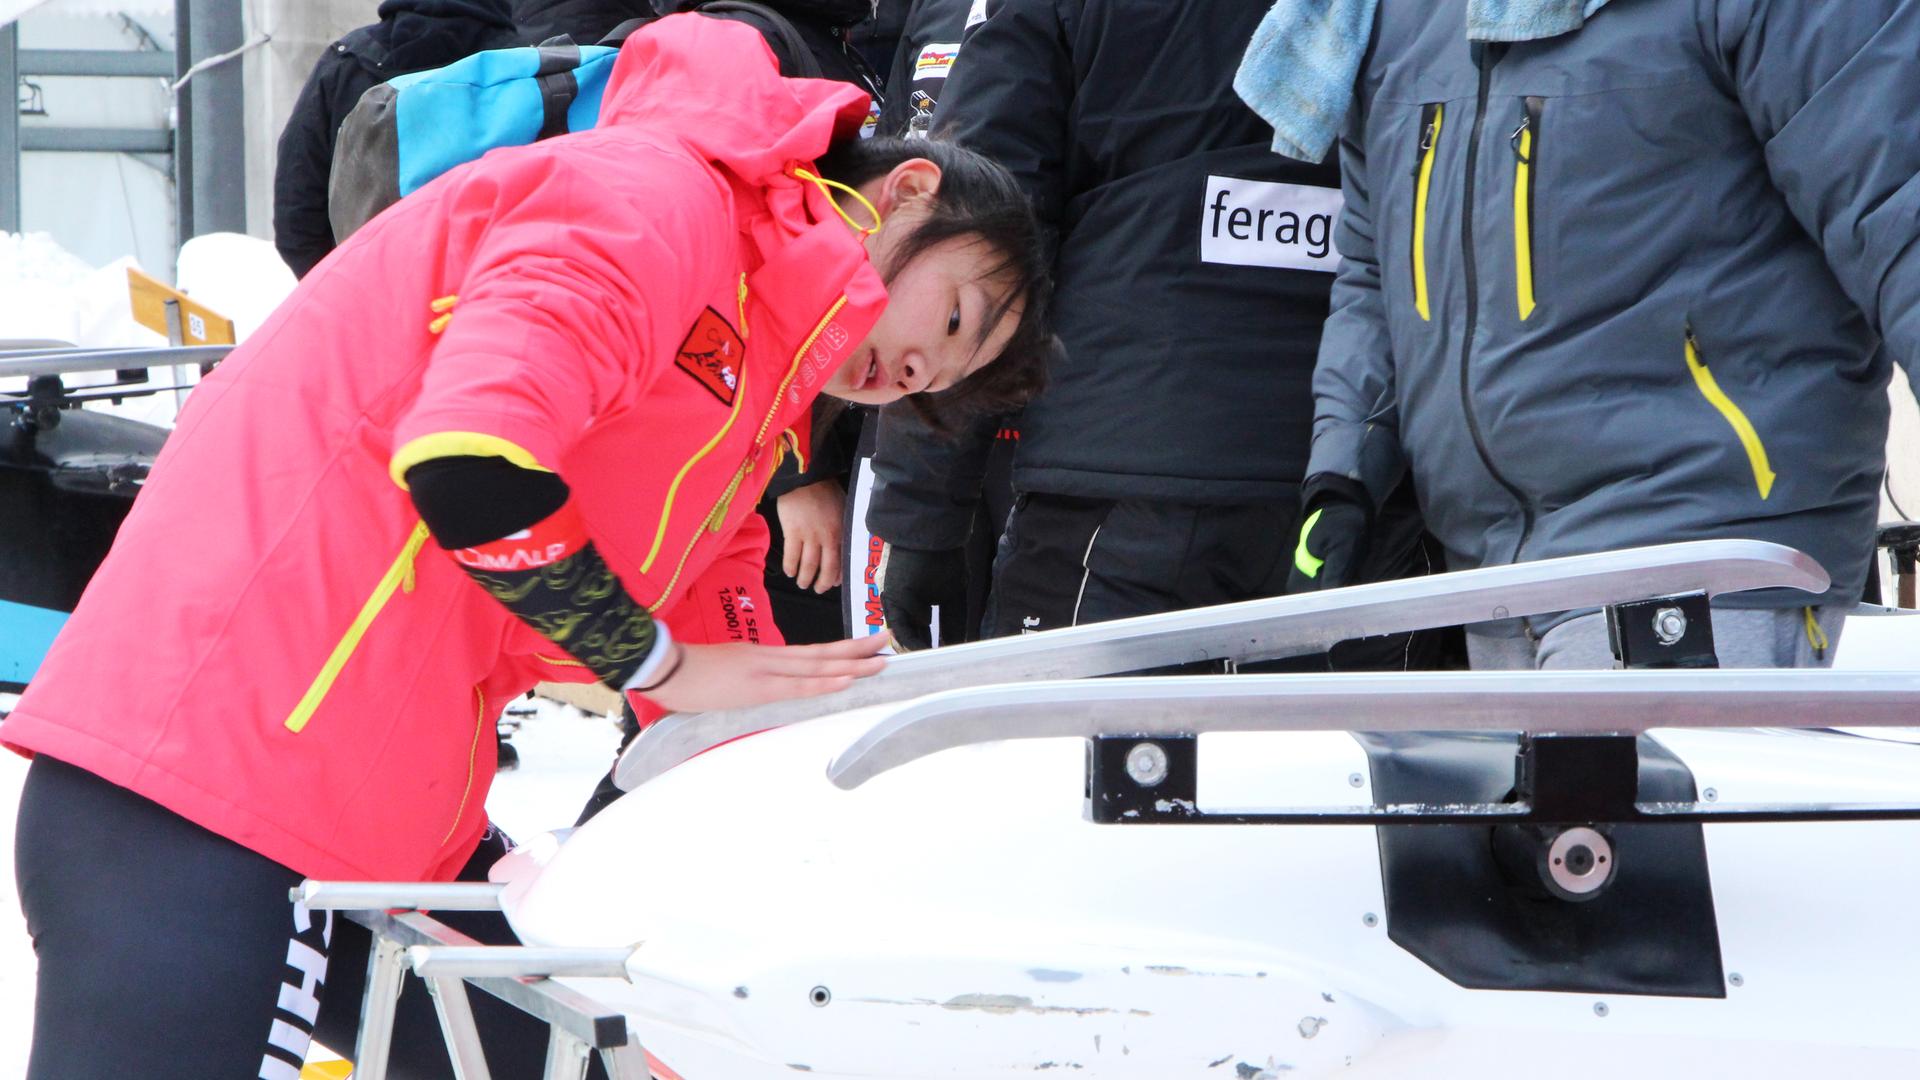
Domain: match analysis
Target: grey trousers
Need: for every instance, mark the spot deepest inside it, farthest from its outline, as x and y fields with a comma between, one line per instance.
x=1742, y=638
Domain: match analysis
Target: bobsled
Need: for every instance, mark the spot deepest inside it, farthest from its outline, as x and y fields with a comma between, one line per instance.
x=986, y=863
x=67, y=480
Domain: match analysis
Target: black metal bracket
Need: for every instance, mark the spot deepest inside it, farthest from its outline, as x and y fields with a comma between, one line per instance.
x=1671, y=632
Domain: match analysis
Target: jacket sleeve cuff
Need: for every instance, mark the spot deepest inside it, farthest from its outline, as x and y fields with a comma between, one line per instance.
x=455, y=439
x=649, y=672
x=1367, y=454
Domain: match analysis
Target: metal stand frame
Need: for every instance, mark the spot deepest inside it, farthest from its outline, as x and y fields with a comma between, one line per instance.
x=449, y=962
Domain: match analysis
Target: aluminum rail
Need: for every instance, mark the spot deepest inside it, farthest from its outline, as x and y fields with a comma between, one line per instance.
x=1559, y=703
x=27, y=363
x=516, y=962
x=395, y=895
x=1259, y=630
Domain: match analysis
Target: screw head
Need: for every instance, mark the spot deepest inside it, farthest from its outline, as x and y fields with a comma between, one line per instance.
x=1370, y=919
x=1356, y=780
x=1669, y=625
x=1710, y=795
x=1735, y=980
x=820, y=996
x=1600, y=1008
x=1147, y=764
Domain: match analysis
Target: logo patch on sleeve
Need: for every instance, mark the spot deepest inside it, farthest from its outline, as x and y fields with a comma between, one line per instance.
x=935, y=60
x=712, y=354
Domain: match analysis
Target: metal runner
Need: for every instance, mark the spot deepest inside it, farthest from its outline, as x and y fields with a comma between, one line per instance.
x=1260, y=630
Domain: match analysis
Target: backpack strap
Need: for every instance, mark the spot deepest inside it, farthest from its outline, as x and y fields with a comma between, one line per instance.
x=558, y=86
x=618, y=36
x=796, y=59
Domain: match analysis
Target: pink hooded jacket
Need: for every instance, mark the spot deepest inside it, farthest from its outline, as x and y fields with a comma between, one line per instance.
x=647, y=309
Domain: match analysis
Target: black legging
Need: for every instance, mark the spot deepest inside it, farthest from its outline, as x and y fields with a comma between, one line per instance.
x=168, y=951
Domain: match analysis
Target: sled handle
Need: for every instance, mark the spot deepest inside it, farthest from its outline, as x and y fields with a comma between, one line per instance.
x=1558, y=703
x=1259, y=630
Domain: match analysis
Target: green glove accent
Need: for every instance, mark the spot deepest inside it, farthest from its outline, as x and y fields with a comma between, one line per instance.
x=1303, y=559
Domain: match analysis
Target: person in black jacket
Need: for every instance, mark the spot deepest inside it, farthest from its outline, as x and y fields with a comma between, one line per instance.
x=412, y=35
x=1161, y=468
x=582, y=21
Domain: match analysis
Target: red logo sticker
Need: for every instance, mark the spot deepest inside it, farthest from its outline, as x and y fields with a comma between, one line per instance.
x=713, y=354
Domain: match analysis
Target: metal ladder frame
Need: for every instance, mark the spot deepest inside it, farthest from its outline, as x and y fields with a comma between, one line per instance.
x=405, y=938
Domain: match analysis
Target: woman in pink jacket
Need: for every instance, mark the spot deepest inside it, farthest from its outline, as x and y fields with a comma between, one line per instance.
x=512, y=431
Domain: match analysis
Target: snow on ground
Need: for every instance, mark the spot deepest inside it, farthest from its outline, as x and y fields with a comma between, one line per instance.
x=563, y=754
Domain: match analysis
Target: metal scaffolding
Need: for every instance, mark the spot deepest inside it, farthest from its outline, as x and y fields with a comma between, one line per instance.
x=206, y=153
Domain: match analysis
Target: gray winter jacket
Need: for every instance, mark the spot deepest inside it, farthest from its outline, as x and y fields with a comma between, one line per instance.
x=1639, y=283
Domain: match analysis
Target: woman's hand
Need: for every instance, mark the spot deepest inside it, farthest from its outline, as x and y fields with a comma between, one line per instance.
x=707, y=677
x=810, y=517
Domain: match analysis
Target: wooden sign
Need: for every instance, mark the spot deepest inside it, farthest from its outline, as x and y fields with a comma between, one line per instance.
x=198, y=324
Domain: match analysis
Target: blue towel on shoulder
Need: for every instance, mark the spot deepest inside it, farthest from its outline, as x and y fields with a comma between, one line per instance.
x=1299, y=69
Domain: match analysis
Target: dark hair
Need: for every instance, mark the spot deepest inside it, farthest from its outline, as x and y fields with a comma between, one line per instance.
x=979, y=199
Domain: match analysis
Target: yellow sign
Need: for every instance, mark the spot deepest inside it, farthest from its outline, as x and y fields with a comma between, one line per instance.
x=199, y=324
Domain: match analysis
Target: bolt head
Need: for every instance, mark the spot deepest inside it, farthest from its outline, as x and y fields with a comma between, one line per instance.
x=1669, y=625
x=1734, y=979
x=1370, y=919
x=1600, y=1008
x=1356, y=780
x=1147, y=764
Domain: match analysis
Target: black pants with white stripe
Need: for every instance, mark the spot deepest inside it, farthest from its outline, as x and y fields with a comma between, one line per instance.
x=166, y=951
x=1067, y=560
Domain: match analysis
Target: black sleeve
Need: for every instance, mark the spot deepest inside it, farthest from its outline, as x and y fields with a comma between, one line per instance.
x=576, y=602
x=1011, y=99
x=894, y=111
x=469, y=501
x=304, y=160
x=925, y=484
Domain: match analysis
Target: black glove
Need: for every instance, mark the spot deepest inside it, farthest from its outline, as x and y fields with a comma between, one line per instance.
x=912, y=583
x=1336, y=520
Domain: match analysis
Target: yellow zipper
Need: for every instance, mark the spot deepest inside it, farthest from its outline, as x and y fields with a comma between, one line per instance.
x=473, y=758
x=1429, y=146
x=1524, y=141
x=399, y=575
x=558, y=662
x=666, y=508
x=1763, y=474
x=716, y=518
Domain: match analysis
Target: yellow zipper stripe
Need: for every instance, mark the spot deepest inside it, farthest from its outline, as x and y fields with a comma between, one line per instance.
x=473, y=758
x=559, y=663
x=760, y=437
x=666, y=509
x=717, y=516
x=1420, y=302
x=1523, y=224
x=1763, y=474
x=399, y=573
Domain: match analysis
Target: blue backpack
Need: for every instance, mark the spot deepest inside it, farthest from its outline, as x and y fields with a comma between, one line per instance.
x=407, y=131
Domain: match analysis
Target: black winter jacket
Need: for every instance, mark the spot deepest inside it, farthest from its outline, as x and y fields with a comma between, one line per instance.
x=1194, y=265
x=929, y=45
x=585, y=21
x=412, y=35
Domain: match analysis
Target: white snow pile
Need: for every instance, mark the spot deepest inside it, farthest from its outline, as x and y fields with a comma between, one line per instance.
x=49, y=294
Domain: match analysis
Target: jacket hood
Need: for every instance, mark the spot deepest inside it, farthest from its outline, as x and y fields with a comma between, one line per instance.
x=715, y=85
x=495, y=13
x=420, y=34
